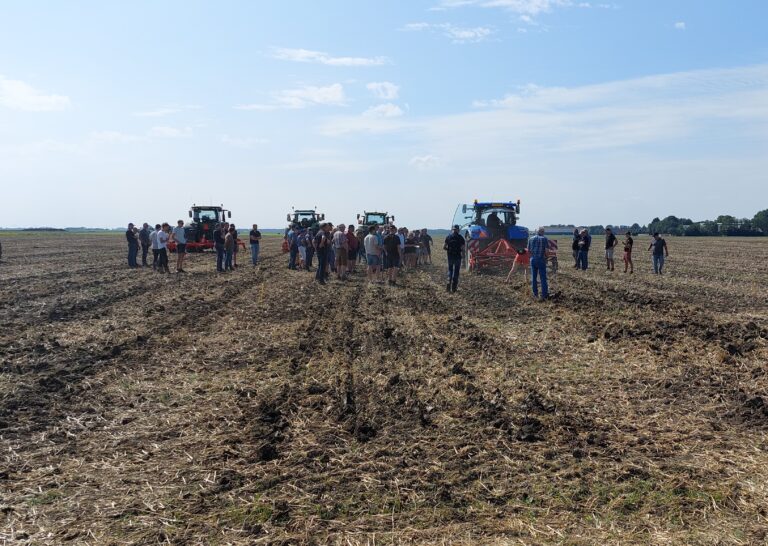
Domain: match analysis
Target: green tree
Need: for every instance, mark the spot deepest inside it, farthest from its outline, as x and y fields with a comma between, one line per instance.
x=760, y=221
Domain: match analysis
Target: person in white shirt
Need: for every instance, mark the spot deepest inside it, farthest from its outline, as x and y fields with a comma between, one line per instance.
x=372, y=254
x=155, y=248
x=162, y=244
x=179, y=236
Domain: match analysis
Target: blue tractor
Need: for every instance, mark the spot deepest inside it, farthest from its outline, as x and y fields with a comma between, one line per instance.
x=491, y=232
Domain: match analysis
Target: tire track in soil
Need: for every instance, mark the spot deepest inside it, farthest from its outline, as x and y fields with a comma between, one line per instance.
x=58, y=379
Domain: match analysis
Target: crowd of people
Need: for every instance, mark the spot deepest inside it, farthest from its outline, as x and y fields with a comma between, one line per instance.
x=383, y=250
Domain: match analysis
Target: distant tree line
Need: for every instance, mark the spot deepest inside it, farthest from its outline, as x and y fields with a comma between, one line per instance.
x=722, y=225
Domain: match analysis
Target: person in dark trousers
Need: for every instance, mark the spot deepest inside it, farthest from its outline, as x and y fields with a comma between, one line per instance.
x=322, y=242
x=145, y=243
x=585, y=241
x=155, y=248
x=454, y=247
x=229, y=248
x=309, y=244
x=255, y=237
x=392, y=244
x=218, y=243
x=660, y=252
x=575, y=248
x=293, y=247
x=537, y=248
x=133, y=246
x=610, y=245
x=162, y=242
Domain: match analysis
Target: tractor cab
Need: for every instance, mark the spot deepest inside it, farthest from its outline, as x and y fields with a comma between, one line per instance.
x=368, y=219
x=204, y=221
x=304, y=219
x=491, y=231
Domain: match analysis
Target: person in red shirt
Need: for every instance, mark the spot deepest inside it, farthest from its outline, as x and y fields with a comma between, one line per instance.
x=353, y=248
x=522, y=260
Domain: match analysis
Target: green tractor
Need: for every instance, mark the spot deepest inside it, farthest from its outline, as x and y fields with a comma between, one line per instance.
x=304, y=220
x=368, y=219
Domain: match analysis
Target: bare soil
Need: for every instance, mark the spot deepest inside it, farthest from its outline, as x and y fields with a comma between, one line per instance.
x=257, y=407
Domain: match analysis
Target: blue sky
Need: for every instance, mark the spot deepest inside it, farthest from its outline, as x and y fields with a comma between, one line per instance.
x=590, y=112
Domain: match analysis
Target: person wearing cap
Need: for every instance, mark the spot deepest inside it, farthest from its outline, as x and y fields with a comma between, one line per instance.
x=133, y=246
x=537, y=248
x=454, y=248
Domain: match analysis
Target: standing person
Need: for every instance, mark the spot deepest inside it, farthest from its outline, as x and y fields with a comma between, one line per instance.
x=145, y=243
x=162, y=247
x=133, y=246
x=610, y=244
x=180, y=237
x=660, y=252
x=321, y=249
x=628, y=242
x=309, y=239
x=219, y=240
x=410, y=251
x=392, y=244
x=293, y=247
x=235, y=247
x=426, y=249
x=454, y=248
x=352, y=246
x=255, y=237
x=585, y=241
x=155, y=248
x=537, y=247
x=575, y=248
x=341, y=250
x=229, y=248
x=372, y=253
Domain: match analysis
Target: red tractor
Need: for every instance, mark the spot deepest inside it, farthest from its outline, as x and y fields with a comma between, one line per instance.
x=199, y=232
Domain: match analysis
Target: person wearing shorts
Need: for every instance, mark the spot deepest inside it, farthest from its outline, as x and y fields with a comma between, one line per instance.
x=372, y=254
x=610, y=244
x=179, y=236
x=352, y=248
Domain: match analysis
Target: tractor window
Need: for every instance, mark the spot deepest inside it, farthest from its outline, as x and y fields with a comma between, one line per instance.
x=504, y=216
x=204, y=215
x=375, y=218
x=463, y=217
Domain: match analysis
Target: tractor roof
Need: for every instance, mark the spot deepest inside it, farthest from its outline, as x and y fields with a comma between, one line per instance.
x=494, y=205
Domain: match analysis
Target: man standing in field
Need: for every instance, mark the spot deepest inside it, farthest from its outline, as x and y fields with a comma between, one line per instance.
x=144, y=240
x=628, y=243
x=426, y=249
x=162, y=248
x=155, y=247
x=660, y=252
x=293, y=247
x=585, y=241
x=341, y=251
x=537, y=247
x=575, y=247
x=454, y=248
x=321, y=244
x=352, y=248
x=133, y=246
x=392, y=255
x=610, y=244
x=219, y=236
x=255, y=238
x=180, y=238
x=372, y=253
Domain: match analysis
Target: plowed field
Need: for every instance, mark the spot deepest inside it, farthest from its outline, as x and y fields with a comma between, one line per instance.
x=257, y=407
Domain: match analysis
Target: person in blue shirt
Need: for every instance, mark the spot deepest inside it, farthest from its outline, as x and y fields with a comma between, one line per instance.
x=537, y=247
x=585, y=241
x=293, y=242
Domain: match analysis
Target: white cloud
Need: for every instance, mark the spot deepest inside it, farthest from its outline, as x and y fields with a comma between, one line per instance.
x=523, y=7
x=383, y=90
x=170, y=132
x=680, y=25
x=115, y=136
x=309, y=56
x=425, y=162
x=458, y=35
x=19, y=95
x=294, y=99
x=386, y=110
x=167, y=111
x=246, y=143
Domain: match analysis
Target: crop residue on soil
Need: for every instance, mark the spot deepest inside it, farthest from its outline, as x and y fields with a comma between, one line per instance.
x=257, y=407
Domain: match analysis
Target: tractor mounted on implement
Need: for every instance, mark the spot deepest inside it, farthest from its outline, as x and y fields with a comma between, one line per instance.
x=491, y=233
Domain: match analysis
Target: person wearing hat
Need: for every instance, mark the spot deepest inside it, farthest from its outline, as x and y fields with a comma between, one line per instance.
x=133, y=246
x=454, y=247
